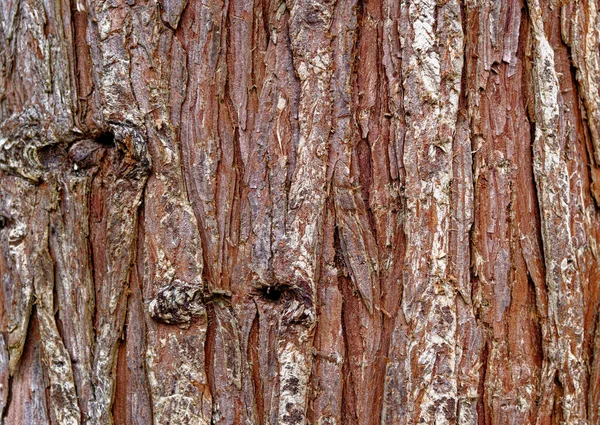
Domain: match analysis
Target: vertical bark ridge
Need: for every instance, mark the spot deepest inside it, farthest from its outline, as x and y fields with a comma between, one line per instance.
x=296, y=258
x=136, y=399
x=62, y=399
x=389, y=207
x=469, y=335
x=75, y=297
x=594, y=396
x=579, y=30
x=431, y=89
x=4, y=379
x=207, y=142
x=564, y=346
x=125, y=177
x=17, y=281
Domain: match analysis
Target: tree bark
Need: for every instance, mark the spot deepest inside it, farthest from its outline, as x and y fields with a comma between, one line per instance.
x=299, y=212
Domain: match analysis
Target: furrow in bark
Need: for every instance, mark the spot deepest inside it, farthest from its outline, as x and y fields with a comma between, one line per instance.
x=358, y=245
x=229, y=404
x=251, y=383
x=327, y=376
x=136, y=401
x=240, y=66
x=387, y=206
x=349, y=159
x=469, y=344
x=594, y=396
x=501, y=136
x=395, y=409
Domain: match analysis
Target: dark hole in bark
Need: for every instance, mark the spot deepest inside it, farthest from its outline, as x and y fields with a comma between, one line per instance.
x=2, y=222
x=106, y=139
x=271, y=293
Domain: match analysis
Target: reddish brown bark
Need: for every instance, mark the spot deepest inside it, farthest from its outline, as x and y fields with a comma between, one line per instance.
x=325, y=212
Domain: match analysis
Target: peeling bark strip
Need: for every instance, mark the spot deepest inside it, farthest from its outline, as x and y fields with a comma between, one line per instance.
x=299, y=212
x=4, y=377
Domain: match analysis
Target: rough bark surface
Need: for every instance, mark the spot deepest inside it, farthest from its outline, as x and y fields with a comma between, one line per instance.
x=299, y=212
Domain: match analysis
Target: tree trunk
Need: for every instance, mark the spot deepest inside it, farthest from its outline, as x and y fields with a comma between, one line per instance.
x=299, y=212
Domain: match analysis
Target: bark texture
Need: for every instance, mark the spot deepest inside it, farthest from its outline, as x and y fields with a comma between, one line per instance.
x=299, y=212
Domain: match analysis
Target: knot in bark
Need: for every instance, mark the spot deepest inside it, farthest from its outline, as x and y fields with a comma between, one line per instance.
x=177, y=303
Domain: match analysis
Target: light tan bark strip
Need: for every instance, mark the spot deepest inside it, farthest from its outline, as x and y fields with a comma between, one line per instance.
x=63, y=402
x=563, y=349
x=431, y=90
x=17, y=283
x=297, y=263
